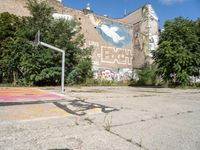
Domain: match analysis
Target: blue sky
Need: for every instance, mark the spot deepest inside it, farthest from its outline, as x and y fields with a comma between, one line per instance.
x=165, y=9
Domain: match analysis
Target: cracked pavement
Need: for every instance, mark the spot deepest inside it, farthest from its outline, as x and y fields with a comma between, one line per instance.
x=105, y=118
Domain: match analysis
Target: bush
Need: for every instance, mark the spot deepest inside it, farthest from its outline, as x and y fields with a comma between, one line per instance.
x=81, y=72
x=178, y=55
x=147, y=76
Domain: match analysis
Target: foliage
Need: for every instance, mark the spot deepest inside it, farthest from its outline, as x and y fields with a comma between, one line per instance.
x=10, y=51
x=98, y=82
x=81, y=72
x=22, y=63
x=147, y=76
x=178, y=55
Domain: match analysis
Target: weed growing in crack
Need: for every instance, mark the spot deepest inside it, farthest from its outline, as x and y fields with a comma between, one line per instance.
x=107, y=123
x=141, y=143
x=156, y=116
x=129, y=140
x=76, y=122
x=89, y=120
x=189, y=111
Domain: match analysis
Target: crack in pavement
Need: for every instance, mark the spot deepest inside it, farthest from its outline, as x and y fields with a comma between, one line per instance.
x=156, y=117
x=140, y=145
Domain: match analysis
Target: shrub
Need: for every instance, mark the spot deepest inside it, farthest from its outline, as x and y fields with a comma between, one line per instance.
x=147, y=76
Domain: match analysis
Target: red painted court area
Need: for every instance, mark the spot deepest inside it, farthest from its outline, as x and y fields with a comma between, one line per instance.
x=27, y=95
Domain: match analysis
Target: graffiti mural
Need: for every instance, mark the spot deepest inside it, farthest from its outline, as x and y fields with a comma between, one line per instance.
x=151, y=36
x=110, y=55
x=107, y=75
x=115, y=55
x=115, y=33
x=153, y=42
x=117, y=75
x=136, y=33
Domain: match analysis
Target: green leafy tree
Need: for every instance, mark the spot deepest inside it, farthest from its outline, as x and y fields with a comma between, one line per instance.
x=42, y=66
x=178, y=55
x=10, y=51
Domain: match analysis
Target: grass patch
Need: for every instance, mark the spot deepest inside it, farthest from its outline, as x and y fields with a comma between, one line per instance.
x=88, y=91
x=9, y=85
x=96, y=82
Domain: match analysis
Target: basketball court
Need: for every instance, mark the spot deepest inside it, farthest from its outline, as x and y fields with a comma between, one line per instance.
x=22, y=95
x=34, y=103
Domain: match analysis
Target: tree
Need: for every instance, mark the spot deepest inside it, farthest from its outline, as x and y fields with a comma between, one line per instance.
x=178, y=55
x=10, y=51
x=42, y=66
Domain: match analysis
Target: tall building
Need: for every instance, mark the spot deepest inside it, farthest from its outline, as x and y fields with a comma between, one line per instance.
x=120, y=45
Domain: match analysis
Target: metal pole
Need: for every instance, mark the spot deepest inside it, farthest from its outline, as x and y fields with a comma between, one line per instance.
x=52, y=47
x=63, y=62
x=63, y=72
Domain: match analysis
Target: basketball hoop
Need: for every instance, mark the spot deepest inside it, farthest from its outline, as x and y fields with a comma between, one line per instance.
x=37, y=42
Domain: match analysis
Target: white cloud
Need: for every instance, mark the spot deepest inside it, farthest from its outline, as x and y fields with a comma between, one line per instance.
x=169, y=2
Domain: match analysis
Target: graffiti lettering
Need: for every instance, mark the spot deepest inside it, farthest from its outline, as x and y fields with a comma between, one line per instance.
x=115, y=55
x=110, y=55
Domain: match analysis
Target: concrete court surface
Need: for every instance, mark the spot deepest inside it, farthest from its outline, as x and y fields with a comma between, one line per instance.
x=105, y=118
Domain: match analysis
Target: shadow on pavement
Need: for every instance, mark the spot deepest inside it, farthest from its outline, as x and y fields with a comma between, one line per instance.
x=28, y=102
x=83, y=107
x=75, y=107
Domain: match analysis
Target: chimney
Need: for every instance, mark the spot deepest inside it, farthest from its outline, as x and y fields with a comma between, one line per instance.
x=87, y=9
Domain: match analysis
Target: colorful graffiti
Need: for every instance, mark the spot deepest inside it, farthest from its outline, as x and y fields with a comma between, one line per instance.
x=115, y=33
x=111, y=55
x=26, y=95
x=119, y=75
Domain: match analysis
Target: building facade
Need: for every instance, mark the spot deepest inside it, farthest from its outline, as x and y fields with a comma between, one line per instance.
x=120, y=45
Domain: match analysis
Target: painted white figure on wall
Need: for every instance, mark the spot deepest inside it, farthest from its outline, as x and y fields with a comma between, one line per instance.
x=109, y=31
x=112, y=32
